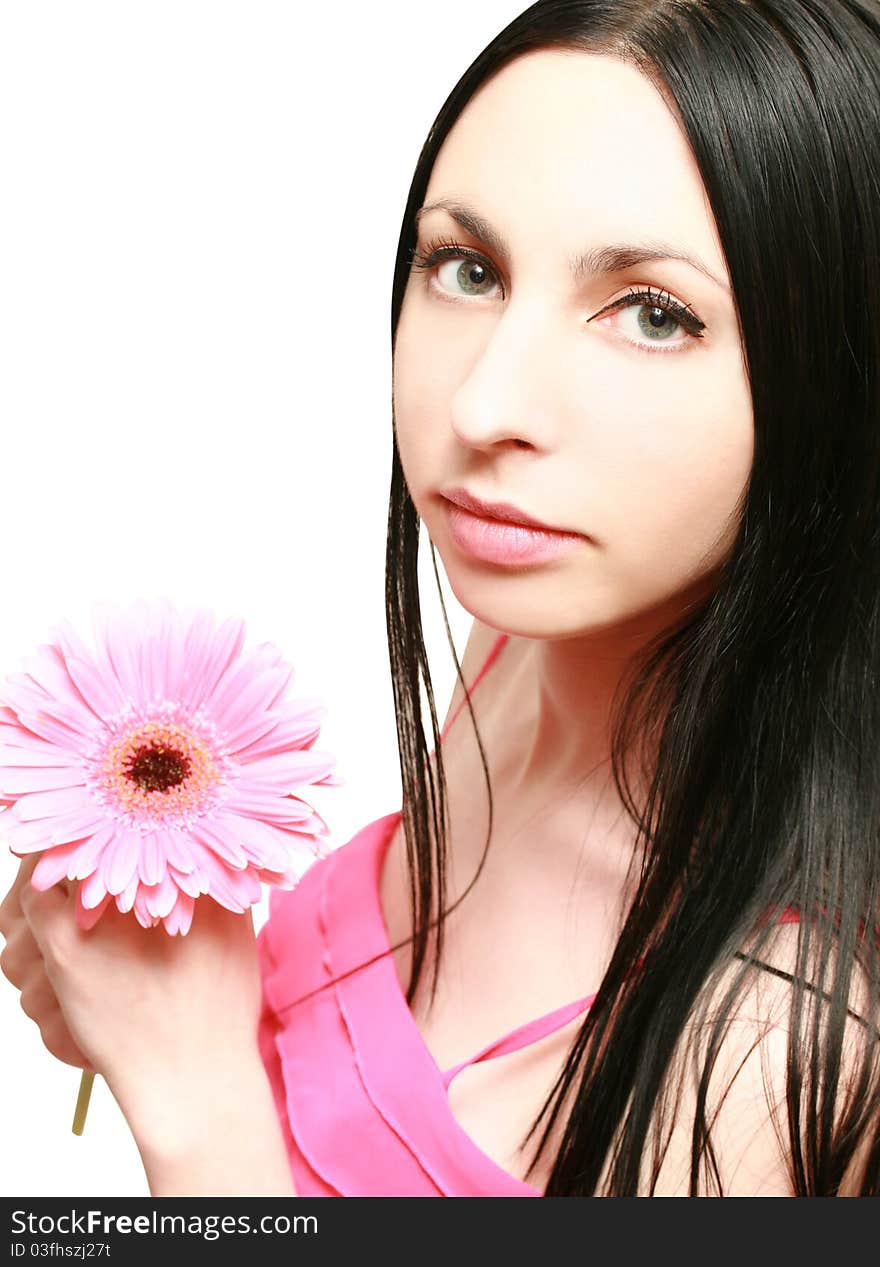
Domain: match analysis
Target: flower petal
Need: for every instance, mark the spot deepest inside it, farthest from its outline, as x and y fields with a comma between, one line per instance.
x=25, y=838
x=18, y=735
x=256, y=802
x=161, y=898
x=262, y=843
x=196, y=650
x=23, y=693
x=125, y=900
x=37, y=754
x=265, y=655
x=187, y=882
x=297, y=732
x=53, y=866
x=221, y=651
x=77, y=826
x=53, y=803
x=51, y=669
x=179, y=920
x=88, y=918
x=142, y=915
x=119, y=643
x=92, y=890
x=17, y=782
x=253, y=728
x=101, y=692
x=302, y=849
x=150, y=657
x=151, y=859
x=120, y=862
x=175, y=660
x=224, y=891
x=333, y=779
x=238, y=681
x=41, y=833
x=65, y=706
x=177, y=849
x=55, y=731
x=89, y=852
x=221, y=844
x=65, y=637
x=159, y=677
x=287, y=771
x=244, y=698
x=307, y=845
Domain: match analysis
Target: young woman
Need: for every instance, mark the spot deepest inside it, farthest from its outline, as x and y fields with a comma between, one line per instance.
x=636, y=301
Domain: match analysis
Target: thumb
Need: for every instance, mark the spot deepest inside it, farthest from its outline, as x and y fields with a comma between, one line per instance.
x=51, y=871
x=46, y=911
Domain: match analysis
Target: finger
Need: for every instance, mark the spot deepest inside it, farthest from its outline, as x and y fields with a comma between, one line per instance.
x=47, y=913
x=20, y=951
x=39, y=1003
x=10, y=908
x=38, y=999
x=59, y=1042
x=8, y=911
x=26, y=868
x=42, y=900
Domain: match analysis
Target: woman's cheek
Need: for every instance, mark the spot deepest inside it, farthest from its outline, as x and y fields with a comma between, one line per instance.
x=674, y=520
x=423, y=436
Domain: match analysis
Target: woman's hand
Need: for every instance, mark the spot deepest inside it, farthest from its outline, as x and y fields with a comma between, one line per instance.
x=22, y=963
x=171, y=1024
x=138, y=1006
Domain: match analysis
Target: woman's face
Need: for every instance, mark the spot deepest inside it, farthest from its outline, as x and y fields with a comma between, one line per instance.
x=526, y=383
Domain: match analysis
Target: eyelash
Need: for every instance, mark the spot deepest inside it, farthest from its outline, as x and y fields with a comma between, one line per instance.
x=439, y=249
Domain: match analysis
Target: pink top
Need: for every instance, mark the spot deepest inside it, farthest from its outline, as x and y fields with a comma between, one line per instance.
x=363, y=1105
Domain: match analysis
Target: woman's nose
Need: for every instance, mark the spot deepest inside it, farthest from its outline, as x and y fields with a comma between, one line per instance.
x=511, y=388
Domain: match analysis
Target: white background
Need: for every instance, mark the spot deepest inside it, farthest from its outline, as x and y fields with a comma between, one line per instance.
x=201, y=205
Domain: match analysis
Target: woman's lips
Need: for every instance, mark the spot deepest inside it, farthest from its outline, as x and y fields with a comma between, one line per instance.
x=504, y=511
x=508, y=544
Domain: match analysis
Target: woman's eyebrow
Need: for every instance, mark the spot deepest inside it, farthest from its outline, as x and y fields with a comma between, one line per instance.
x=610, y=258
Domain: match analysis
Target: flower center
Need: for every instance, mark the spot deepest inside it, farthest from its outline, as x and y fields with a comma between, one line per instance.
x=169, y=768
x=156, y=768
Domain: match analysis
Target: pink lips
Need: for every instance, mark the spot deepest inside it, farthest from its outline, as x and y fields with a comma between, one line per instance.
x=496, y=510
x=503, y=542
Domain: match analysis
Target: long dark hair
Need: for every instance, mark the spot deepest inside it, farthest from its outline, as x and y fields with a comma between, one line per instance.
x=766, y=698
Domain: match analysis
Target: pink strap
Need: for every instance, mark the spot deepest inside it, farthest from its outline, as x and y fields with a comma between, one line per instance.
x=490, y=659
x=532, y=1030
x=523, y=1035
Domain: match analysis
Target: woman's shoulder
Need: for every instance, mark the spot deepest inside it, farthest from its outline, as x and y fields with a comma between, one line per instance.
x=745, y=1099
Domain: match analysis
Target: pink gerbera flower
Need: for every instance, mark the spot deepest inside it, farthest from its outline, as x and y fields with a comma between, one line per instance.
x=161, y=766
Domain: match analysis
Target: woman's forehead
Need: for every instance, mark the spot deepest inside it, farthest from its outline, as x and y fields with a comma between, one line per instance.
x=574, y=148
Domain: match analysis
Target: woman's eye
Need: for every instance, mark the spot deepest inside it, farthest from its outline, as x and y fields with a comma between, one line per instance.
x=456, y=270
x=465, y=275
x=651, y=322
